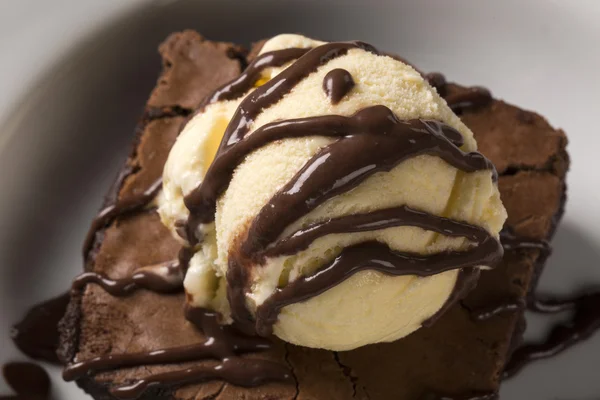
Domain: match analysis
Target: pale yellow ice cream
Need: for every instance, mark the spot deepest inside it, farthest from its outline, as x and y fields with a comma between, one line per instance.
x=368, y=307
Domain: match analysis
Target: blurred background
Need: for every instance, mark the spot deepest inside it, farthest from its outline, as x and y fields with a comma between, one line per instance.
x=75, y=76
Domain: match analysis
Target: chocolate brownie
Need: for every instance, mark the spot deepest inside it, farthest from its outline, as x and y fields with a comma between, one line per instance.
x=457, y=355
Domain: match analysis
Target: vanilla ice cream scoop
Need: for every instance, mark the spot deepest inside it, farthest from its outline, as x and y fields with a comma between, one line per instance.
x=331, y=198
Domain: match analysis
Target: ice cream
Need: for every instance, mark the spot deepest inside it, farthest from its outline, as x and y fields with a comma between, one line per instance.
x=241, y=259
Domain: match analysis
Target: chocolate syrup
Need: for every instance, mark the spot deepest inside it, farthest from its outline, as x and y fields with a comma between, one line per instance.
x=512, y=242
x=29, y=381
x=243, y=83
x=487, y=251
x=160, y=278
x=438, y=82
x=474, y=98
x=371, y=256
x=243, y=372
x=44, y=318
x=367, y=138
x=585, y=322
x=222, y=343
x=124, y=206
x=337, y=83
x=372, y=140
x=202, y=200
x=504, y=307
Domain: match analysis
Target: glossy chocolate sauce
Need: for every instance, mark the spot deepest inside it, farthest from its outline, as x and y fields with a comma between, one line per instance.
x=237, y=371
x=474, y=98
x=160, y=278
x=121, y=207
x=44, y=318
x=380, y=219
x=504, y=307
x=251, y=75
x=372, y=140
x=222, y=343
x=512, y=242
x=28, y=380
x=202, y=201
x=438, y=82
x=337, y=83
x=371, y=256
x=584, y=323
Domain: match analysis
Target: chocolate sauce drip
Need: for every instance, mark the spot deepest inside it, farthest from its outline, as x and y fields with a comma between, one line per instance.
x=585, y=321
x=160, y=278
x=373, y=256
x=377, y=220
x=44, y=318
x=504, y=307
x=475, y=97
x=388, y=218
x=512, y=242
x=438, y=82
x=237, y=371
x=222, y=343
x=202, y=200
x=243, y=83
x=374, y=140
x=337, y=83
x=124, y=206
x=551, y=305
x=29, y=381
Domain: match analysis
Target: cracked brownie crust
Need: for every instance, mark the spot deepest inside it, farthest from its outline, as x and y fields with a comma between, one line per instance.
x=457, y=355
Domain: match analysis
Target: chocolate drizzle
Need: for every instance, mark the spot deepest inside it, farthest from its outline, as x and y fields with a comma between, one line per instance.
x=202, y=200
x=221, y=343
x=252, y=74
x=28, y=380
x=373, y=255
x=585, y=321
x=372, y=140
x=121, y=207
x=337, y=83
x=160, y=278
x=43, y=317
x=474, y=98
x=485, y=313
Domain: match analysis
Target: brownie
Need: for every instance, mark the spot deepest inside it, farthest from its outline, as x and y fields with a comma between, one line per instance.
x=455, y=356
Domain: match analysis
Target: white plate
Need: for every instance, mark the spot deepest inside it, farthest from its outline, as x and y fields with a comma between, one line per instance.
x=75, y=75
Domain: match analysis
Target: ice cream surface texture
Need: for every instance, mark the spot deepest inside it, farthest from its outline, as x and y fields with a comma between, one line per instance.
x=247, y=240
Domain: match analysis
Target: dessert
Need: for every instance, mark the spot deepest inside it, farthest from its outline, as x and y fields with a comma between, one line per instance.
x=317, y=213
x=456, y=356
